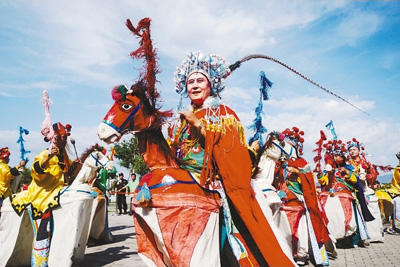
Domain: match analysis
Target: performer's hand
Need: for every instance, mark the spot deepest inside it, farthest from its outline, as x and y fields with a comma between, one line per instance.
x=53, y=151
x=255, y=145
x=190, y=117
x=328, y=168
x=318, y=169
x=293, y=170
x=344, y=171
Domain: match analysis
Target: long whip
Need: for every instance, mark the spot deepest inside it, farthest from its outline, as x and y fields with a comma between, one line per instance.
x=255, y=56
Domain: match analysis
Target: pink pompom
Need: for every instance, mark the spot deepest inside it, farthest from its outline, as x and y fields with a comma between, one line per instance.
x=115, y=94
x=281, y=136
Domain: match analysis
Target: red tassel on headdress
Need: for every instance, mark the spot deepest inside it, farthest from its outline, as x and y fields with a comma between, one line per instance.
x=317, y=159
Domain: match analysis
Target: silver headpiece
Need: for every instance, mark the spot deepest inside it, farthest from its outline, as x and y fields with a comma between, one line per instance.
x=214, y=67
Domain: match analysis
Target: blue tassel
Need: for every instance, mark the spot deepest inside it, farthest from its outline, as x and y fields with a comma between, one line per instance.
x=330, y=127
x=281, y=194
x=21, y=141
x=93, y=194
x=257, y=125
x=180, y=105
x=265, y=85
x=144, y=196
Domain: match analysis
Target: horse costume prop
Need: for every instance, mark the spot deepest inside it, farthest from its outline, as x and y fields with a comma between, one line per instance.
x=388, y=199
x=168, y=191
x=136, y=111
x=346, y=216
x=367, y=174
x=100, y=232
x=291, y=213
x=267, y=195
x=72, y=221
x=178, y=205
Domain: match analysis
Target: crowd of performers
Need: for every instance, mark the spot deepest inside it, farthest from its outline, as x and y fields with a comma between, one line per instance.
x=306, y=223
x=258, y=204
x=53, y=173
x=270, y=212
x=302, y=223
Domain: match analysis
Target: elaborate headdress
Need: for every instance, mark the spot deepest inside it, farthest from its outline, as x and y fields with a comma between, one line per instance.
x=335, y=147
x=214, y=67
x=330, y=148
x=354, y=143
x=295, y=137
x=59, y=130
x=4, y=153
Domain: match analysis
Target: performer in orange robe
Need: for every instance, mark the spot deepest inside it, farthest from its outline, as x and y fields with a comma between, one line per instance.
x=211, y=142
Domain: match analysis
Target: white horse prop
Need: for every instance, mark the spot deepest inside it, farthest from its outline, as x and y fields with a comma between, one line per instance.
x=375, y=227
x=292, y=217
x=267, y=195
x=72, y=221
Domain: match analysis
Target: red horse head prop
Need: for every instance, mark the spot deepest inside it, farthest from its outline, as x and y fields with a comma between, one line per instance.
x=135, y=109
x=126, y=115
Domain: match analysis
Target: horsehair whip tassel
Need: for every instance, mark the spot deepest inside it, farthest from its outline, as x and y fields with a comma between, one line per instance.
x=247, y=58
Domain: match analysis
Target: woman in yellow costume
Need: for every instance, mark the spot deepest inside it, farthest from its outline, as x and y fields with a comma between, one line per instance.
x=49, y=171
x=392, y=197
x=394, y=189
x=7, y=174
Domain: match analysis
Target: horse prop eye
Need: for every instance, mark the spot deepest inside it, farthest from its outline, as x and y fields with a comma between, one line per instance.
x=126, y=106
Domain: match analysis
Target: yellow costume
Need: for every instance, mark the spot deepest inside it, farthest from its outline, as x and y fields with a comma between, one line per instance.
x=395, y=186
x=43, y=191
x=6, y=175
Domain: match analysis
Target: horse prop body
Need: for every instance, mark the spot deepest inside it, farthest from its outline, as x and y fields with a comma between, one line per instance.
x=267, y=195
x=374, y=227
x=169, y=197
x=337, y=201
x=290, y=213
x=72, y=221
x=178, y=204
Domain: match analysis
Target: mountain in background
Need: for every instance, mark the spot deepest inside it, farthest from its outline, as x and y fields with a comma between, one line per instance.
x=386, y=178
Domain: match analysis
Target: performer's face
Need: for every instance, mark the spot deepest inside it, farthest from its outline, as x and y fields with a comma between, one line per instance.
x=60, y=141
x=354, y=151
x=338, y=159
x=198, y=88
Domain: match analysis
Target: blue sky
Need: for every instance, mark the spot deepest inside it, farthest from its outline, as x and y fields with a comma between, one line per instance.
x=78, y=50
